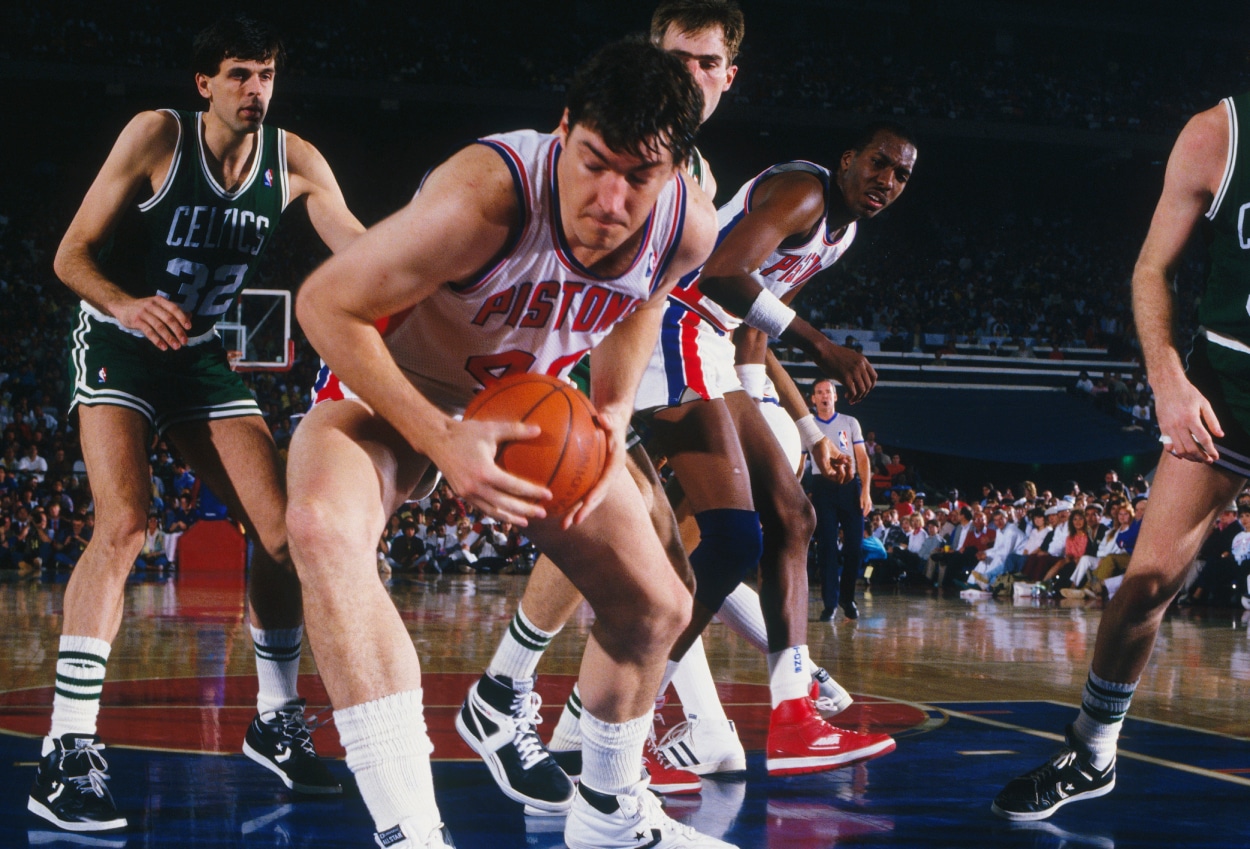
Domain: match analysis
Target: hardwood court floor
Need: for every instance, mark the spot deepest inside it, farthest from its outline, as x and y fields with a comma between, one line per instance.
x=974, y=692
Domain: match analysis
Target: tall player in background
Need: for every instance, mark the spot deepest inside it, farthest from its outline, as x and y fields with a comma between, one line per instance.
x=172, y=228
x=1204, y=420
x=502, y=264
x=779, y=229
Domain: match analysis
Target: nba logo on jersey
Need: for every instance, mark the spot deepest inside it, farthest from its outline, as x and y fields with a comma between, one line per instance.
x=102, y=375
x=651, y=263
x=843, y=441
x=269, y=177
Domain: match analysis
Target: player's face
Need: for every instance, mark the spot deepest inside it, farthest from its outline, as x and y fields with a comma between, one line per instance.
x=707, y=60
x=238, y=94
x=873, y=178
x=606, y=196
x=824, y=396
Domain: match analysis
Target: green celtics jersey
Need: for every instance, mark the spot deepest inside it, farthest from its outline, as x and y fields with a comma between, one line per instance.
x=697, y=167
x=1225, y=308
x=194, y=242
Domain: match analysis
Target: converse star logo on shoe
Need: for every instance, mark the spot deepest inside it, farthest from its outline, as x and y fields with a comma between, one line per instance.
x=282, y=755
x=60, y=788
x=654, y=841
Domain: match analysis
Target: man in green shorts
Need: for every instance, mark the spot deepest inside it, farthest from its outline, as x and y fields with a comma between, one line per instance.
x=171, y=230
x=1204, y=420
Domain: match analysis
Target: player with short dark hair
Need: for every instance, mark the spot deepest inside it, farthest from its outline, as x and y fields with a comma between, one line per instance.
x=168, y=234
x=542, y=227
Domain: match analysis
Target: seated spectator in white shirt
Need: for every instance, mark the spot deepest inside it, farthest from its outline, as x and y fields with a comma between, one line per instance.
x=1008, y=540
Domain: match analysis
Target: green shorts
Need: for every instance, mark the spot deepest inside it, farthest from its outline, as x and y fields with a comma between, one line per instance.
x=111, y=367
x=1222, y=376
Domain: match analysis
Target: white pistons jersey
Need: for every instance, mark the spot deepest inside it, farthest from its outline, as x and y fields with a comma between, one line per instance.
x=536, y=308
x=788, y=267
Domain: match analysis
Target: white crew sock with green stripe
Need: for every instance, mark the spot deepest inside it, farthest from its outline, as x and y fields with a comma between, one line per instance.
x=80, y=663
x=520, y=650
x=1104, y=705
x=568, y=734
x=277, y=666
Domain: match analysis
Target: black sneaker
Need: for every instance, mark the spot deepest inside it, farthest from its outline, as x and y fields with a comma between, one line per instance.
x=498, y=720
x=281, y=742
x=1067, y=777
x=71, y=790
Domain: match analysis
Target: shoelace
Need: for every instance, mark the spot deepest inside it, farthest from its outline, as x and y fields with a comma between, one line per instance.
x=677, y=732
x=1048, y=772
x=647, y=808
x=296, y=727
x=96, y=774
x=526, y=717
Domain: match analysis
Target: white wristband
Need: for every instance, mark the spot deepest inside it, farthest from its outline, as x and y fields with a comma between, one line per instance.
x=769, y=314
x=753, y=378
x=809, y=431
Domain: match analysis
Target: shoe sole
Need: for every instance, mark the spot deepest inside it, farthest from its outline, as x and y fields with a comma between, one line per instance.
x=684, y=789
x=1034, y=816
x=501, y=777
x=305, y=789
x=44, y=812
x=801, y=766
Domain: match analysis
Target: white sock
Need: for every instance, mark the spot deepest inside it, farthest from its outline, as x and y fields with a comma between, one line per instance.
x=520, y=649
x=388, y=750
x=612, y=752
x=788, y=677
x=695, y=686
x=1104, y=704
x=277, y=666
x=567, y=736
x=743, y=615
x=80, y=665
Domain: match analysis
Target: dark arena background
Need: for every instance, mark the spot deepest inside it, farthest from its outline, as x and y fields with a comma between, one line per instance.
x=997, y=283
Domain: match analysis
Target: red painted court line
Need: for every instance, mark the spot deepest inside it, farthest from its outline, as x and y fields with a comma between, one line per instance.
x=1238, y=771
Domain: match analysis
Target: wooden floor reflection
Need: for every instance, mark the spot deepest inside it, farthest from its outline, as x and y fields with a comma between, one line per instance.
x=181, y=680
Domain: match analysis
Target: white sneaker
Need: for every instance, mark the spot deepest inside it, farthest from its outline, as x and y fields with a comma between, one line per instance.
x=406, y=835
x=830, y=697
x=704, y=747
x=630, y=821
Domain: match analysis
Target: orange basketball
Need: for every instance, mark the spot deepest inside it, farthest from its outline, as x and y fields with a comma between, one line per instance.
x=568, y=456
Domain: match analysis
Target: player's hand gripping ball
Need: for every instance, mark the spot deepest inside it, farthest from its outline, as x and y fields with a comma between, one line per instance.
x=568, y=456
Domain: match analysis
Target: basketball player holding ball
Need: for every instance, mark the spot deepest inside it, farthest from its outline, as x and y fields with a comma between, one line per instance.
x=555, y=244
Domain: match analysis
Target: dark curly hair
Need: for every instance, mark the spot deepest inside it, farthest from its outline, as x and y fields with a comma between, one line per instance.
x=639, y=98
x=237, y=37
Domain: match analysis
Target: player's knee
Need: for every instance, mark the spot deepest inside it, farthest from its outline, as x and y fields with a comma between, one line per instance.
x=1148, y=592
x=730, y=546
x=121, y=532
x=314, y=525
x=789, y=522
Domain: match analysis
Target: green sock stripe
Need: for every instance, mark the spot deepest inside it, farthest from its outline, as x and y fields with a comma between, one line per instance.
x=523, y=630
x=278, y=653
x=81, y=655
x=80, y=682
x=82, y=697
x=574, y=705
x=525, y=641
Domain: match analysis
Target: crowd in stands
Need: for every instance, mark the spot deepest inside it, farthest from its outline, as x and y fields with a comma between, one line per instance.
x=925, y=65
x=1021, y=541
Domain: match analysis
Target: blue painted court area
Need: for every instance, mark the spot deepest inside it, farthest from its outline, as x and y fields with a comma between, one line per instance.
x=934, y=791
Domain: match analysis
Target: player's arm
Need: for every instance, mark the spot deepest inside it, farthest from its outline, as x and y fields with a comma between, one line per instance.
x=865, y=478
x=462, y=218
x=1195, y=168
x=140, y=157
x=312, y=179
x=785, y=206
x=618, y=362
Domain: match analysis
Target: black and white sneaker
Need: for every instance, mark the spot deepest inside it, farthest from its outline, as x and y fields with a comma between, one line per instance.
x=71, y=787
x=281, y=742
x=498, y=721
x=1067, y=777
